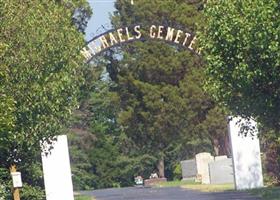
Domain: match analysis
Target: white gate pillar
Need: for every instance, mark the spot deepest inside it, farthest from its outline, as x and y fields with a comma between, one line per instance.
x=57, y=171
x=247, y=165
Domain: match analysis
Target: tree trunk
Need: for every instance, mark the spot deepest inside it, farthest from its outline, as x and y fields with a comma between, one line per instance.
x=160, y=167
x=216, y=147
x=221, y=146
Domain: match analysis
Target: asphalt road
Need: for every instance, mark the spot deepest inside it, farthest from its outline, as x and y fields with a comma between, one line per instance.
x=174, y=193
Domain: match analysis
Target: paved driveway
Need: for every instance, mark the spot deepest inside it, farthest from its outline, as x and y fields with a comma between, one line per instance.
x=174, y=193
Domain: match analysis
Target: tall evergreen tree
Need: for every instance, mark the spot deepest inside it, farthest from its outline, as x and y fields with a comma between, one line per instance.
x=160, y=86
x=100, y=152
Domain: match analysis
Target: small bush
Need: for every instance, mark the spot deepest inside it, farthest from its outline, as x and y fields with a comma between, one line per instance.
x=5, y=183
x=177, y=172
x=4, y=193
x=32, y=193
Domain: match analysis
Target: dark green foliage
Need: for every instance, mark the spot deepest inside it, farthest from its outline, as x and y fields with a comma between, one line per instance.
x=271, y=163
x=98, y=148
x=5, y=183
x=32, y=193
x=80, y=144
x=177, y=171
x=81, y=13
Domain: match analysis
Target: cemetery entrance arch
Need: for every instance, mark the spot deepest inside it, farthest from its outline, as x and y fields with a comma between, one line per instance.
x=116, y=37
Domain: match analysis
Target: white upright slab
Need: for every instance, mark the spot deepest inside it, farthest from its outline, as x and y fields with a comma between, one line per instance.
x=202, y=161
x=246, y=156
x=57, y=172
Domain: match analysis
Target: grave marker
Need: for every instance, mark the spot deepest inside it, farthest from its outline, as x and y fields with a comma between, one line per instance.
x=221, y=171
x=202, y=161
x=189, y=170
x=246, y=155
x=57, y=172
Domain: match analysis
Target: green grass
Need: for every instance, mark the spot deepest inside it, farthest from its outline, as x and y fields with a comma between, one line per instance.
x=268, y=193
x=210, y=188
x=198, y=186
x=80, y=197
x=176, y=183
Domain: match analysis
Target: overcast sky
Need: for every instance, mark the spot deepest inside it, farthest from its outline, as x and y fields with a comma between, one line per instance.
x=101, y=10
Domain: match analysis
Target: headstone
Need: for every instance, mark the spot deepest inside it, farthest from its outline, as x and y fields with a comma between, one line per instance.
x=57, y=172
x=246, y=155
x=202, y=161
x=221, y=171
x=189, y=170
x=217, y=158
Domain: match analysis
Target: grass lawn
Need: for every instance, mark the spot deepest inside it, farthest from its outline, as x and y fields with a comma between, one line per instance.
x=80, y=197
x=210, y=188
x=197, y=186
x=176, y=183
x=268, y=193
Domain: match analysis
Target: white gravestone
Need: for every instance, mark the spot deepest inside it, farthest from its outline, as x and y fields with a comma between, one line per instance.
x=246, y=155
x=57, y=172
x=202, y=161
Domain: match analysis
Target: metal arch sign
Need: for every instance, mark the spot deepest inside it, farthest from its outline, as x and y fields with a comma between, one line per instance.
x=116, y=37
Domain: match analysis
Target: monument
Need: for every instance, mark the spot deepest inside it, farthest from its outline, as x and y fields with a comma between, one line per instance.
x=57, y=172
x=202, y=161
x=246, y=153
x=221, y=171
x=189, y=169
x=212, y=170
